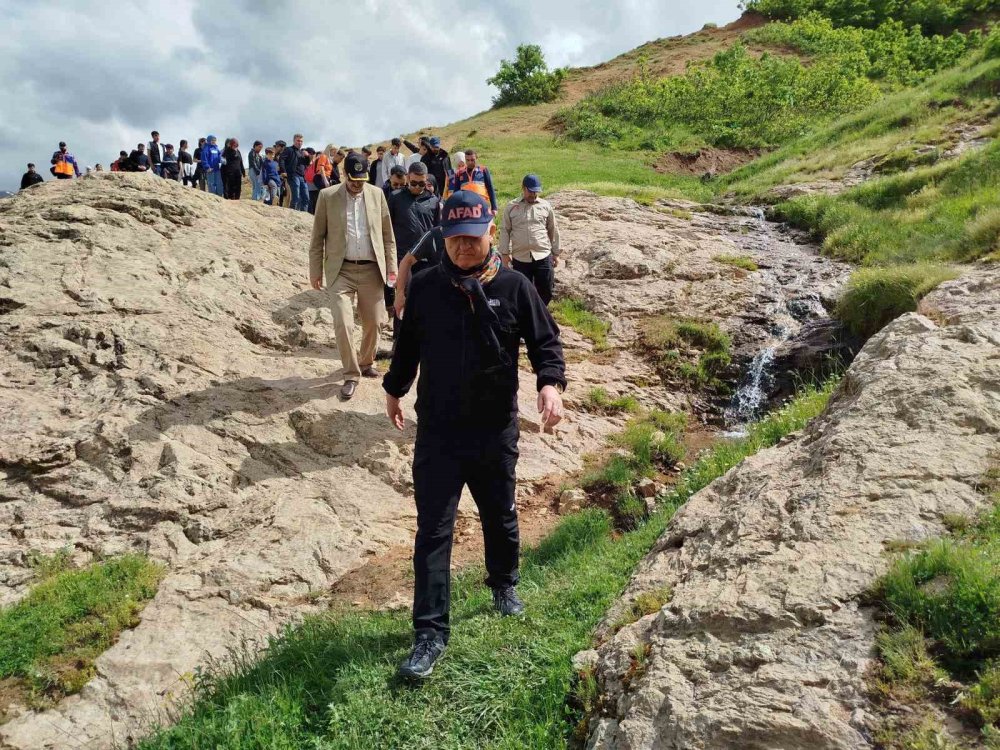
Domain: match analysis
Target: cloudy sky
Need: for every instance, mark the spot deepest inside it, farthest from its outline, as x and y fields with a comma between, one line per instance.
x=100, y=75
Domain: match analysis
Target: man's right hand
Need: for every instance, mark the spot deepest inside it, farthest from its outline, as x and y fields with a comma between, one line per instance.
x=506, y=260
x=394, y=411
x=317, y=283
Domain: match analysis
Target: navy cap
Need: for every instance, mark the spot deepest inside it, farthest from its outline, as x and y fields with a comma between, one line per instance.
x=532, y=182
x=434, y=141
x=356, y=166
x=466, y=213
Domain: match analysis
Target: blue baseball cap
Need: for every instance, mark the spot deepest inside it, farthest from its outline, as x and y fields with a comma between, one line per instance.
x=466, y=213
x=532, y=182
x=434, y=141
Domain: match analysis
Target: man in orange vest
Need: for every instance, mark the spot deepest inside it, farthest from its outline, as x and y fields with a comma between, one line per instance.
x=64, y=165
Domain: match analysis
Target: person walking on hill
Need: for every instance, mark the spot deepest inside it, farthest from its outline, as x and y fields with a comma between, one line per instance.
x=310, y=177
x=64, y=166
x=271, y=177
x=31, y=177
x=255, y=161
x=414, y=211
x=438, y=163
x=199, y=172
x=170, y=167
x=187, y=165
x=391, y=158
x=155, y=154
x=293, y=166
x=397, y=180
x=463, y=325
x=456, y=175
x=211, y=165
x=376, y=167
x=139, y=159
x=529, y=233
x=354, y=248
x=477, y=177
x=121, y=163
x=418, y=152
x=233, y=170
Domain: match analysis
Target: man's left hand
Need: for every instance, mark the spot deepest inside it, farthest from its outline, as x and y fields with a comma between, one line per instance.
x=550, y=406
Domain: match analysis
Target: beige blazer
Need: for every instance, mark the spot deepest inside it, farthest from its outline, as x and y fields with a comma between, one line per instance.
x=329, y=235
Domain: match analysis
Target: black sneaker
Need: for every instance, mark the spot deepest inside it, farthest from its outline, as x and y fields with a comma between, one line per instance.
x=420, y=663
x=507, y=602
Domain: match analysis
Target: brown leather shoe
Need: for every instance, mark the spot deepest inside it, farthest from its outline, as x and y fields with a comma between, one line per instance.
x=371, y=372
x=347, y=389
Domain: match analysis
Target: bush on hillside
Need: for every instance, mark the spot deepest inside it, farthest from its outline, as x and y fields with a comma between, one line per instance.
x=526, y=79
x=733, y=100
x=930, y=15
x=891, y=53
x=877, y=296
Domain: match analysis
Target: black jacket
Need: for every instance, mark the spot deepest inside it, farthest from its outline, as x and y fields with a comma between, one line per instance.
x=293, y=161
x=30, y=178
x=411, y=217
x=373, y=170
x=461, y=384
x=155, y=152
x=439, y=165
x=234, y=162
x=256, y=161
x=138, y=159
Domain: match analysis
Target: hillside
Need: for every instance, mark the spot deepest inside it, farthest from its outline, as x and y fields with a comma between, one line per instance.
x=778, y=300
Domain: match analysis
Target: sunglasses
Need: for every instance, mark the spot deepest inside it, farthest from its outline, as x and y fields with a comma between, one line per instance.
x=414, y=184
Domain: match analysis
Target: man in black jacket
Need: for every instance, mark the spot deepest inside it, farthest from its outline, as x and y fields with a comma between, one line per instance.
x=31, y=177
x=155, y=153
x=293, y=163
x=463, y=324
x=438, y=163
x=413, y=210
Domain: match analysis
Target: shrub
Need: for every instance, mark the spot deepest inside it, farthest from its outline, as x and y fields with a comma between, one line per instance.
x=733, y=100
x=526, y=79
x=877, y=296
x=670, y=341
x=952, y=592
x=599, y=401
x=931, y=15
x=892, y=53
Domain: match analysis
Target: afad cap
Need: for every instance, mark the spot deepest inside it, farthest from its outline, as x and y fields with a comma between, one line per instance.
x=466, y=213
x=532, y=183
x=356, y=167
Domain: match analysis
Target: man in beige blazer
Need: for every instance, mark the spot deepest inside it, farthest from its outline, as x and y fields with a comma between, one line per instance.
x=353, y=243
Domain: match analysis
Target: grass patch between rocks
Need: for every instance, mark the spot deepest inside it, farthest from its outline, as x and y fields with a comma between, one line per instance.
x=329, y=683
x=940, y=649
x=573, y=312
x=50, y=638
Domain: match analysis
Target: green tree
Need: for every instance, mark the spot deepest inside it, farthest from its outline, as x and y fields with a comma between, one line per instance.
x=526, y=79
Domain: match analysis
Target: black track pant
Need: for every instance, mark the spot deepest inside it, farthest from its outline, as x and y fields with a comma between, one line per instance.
x=233, y=184
x=541, y=275
x=442, y=464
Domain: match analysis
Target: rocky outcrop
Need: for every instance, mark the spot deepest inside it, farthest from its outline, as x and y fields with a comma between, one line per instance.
x=765, y=640
x=170, y=387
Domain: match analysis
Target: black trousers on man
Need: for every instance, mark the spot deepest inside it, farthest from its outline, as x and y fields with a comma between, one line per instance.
x=232, y=184
x=444, y=462
x=540, y=273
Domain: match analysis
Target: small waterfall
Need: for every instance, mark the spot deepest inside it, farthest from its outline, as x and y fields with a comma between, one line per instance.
x=751, y=395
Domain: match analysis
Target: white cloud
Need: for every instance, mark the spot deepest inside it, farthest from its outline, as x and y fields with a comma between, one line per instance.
x=102, y=75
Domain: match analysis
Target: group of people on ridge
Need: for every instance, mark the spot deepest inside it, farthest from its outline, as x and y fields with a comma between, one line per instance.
x=412, y=237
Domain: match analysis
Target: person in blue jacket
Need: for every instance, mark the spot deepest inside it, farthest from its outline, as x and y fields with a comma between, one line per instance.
x=211, y=165
x=270, y=178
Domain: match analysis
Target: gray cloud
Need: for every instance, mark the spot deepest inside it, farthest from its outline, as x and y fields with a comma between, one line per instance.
x=102, y=75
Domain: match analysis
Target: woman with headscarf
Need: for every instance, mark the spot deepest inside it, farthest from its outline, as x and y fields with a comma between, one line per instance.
x=233, y=170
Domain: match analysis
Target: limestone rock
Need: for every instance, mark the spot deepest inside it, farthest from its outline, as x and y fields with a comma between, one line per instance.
x=764, y=643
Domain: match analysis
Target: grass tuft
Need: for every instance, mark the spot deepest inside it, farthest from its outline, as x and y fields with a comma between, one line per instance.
x=573, y=312
x=875, y=297
x=599, y=401
x=737, y=261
